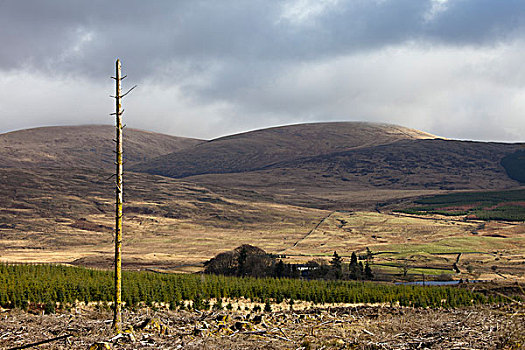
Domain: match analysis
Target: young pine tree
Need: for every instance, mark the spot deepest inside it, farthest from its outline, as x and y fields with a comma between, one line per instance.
x=337, y=266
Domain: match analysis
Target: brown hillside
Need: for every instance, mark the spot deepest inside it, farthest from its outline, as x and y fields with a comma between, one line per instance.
x=413, y=164
x=82, y=146
x=67, y=215
x=263, y=148
x=360, y=178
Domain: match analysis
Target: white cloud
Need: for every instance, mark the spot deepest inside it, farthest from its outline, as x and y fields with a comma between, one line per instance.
x=456, y=92
x=37, y=100
x=451, y=91
x=167, y=109
x=436, y=8
x=300, y=12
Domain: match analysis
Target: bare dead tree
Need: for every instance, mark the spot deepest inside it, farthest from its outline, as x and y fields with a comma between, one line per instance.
x=117, y=315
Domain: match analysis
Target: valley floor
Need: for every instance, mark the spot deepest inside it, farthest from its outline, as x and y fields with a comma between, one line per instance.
x=66, y=217
x=362, y=327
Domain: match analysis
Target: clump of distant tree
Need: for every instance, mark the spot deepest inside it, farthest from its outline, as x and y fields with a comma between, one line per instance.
x=243, y=261
x=250, y=261
x=358, y=271
x=336, y=269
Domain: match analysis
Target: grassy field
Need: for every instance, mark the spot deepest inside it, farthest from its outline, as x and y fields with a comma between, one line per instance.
x=422, y=244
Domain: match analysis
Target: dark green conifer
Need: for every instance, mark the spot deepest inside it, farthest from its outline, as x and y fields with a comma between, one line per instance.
x=337, y=269
x=368, y=272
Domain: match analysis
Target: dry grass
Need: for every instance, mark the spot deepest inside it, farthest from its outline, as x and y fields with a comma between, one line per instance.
x=53, y=215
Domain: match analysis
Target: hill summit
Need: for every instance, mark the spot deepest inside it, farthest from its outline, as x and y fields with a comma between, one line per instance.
x=82, y=146
x=314, y=164
x=260, y=149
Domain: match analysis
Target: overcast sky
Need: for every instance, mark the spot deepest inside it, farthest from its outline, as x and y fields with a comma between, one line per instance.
x=205, y=69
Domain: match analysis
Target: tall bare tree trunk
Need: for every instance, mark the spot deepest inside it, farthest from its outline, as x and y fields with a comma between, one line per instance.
x=117, y=316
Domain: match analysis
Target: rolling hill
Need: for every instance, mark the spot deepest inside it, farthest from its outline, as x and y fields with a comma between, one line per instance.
x=263, y=148
x=410, y=164
x=338, y=165
x=67, y=215
x=83, y=146
x=300, y=190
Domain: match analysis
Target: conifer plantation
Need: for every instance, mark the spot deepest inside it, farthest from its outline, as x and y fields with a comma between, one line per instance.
x=21, y=285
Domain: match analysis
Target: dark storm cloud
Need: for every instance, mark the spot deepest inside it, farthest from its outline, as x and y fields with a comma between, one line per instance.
x=147, y=34
x=479, y=21
x=84, y=35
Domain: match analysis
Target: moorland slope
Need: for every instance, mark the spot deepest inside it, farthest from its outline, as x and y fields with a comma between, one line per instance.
x=83, y=146
x=264, y=148
x=325, y=164
x=302, y=190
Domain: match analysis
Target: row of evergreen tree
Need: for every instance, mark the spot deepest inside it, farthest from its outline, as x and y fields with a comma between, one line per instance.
x=20, y=284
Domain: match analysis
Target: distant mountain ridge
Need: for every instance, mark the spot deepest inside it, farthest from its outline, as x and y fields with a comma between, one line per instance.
x=262, y=148
x=316, y=160
x=83, y=146
x=424, y=163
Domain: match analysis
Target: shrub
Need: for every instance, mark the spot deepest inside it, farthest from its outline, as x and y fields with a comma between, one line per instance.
x=49, y=307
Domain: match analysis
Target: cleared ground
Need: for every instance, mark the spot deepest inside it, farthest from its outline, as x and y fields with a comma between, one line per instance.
x=360, y=327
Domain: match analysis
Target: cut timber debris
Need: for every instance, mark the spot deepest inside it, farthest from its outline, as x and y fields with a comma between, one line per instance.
x=153, y=324
x=100, y=346
x=360, y=327
x=27, y=346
